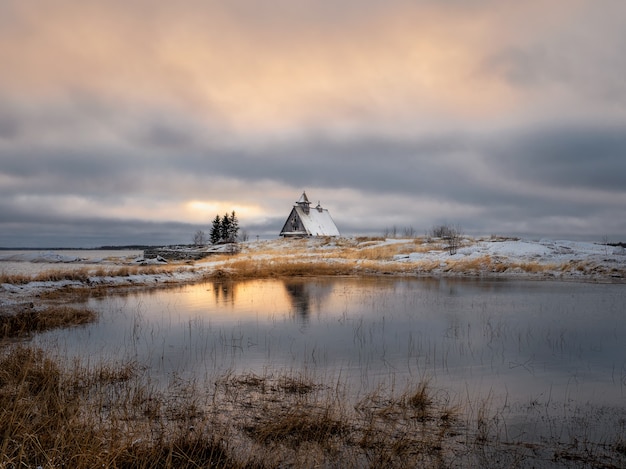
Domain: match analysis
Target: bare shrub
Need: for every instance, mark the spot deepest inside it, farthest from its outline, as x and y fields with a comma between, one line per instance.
x=451, y=234
x=199, y=238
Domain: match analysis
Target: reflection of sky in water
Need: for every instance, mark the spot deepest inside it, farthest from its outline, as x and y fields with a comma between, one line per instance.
x=520, y=339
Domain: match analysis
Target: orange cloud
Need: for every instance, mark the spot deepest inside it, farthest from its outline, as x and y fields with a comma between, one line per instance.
x=400, y=65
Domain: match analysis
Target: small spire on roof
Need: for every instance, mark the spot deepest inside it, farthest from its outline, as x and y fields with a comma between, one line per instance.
x=303, y=199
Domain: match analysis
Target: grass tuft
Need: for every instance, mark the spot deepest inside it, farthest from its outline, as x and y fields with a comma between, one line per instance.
x=31, y=320
x=420, y=401
x=296, y=426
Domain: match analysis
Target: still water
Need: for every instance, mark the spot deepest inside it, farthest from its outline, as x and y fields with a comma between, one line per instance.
x=514, y=341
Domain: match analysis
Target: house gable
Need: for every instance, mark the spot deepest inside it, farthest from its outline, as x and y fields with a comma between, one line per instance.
x=306, y=221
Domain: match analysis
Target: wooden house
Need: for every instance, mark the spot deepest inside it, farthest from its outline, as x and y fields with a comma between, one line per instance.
x=304, y=221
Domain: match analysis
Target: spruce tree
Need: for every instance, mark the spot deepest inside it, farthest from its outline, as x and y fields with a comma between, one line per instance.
x=216, y=230
x=225, y=228
x=233, y=231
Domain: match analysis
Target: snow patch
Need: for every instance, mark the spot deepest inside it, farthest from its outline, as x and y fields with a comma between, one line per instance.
x=42, y=257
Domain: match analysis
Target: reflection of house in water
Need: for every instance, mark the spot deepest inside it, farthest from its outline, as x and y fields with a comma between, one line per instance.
x=300, y=298
x=224, y=292
x=307, y=295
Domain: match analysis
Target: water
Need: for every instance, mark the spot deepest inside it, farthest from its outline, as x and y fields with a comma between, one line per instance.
x=541, y=355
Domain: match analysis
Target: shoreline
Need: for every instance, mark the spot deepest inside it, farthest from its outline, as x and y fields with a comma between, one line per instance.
x=482, y=259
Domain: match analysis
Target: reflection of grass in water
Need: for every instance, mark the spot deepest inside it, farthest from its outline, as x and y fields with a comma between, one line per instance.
x=110, y=415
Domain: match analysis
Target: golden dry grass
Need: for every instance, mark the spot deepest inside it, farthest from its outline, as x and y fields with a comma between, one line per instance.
x=14, y=279
x=535, y=267
x=281, y=267
x=110, y=416
x=386, y=252
x=296, y=425
x=51, y=418
x=31, y=320
x=83, y=274
x=472, y=264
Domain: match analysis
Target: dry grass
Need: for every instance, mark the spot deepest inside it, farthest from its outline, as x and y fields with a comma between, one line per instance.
x=294, y=426
x=365, y=239
x=53, y=418
x=534, y=267
x=371, y=250
x=488, y=264
x=31, y=320
x=14, y=279
x=313, y=427
x=300, y=258
x=472, y=264
x=360, y=248
x=110, y=416
x=84, y=274
x=281, y=267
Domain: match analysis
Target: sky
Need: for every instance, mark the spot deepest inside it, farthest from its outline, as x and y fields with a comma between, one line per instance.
x=138, y=121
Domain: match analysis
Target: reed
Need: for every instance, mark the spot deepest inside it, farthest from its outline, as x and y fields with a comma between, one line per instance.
x=55, y=414
x=51, y=417
x=109, y=415
x=295, y=426
x=31, y=319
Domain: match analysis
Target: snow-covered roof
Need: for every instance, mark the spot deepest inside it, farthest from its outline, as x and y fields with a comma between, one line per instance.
x=317, y=222
x=306, y=221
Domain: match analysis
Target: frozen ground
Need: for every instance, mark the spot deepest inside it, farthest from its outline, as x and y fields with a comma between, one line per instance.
x=551, y=258
x=556, y=259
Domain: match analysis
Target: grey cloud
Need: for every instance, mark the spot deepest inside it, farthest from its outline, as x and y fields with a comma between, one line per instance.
x=447, y=169
x=167, y=135
x=174, y=158
x=443, y=167
x=375, y=164
x=588, y=157
x=9, y=127
x=19, y=229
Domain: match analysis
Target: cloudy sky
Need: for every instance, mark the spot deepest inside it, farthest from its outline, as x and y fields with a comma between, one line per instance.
x=138, y=121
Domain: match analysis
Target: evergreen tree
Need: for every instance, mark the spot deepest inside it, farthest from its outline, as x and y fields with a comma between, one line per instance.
x=233, y=230
x=225, y=228
x=216, y=230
